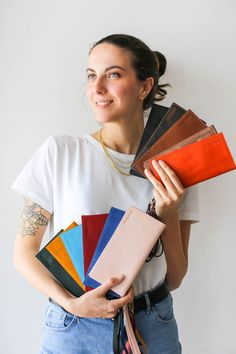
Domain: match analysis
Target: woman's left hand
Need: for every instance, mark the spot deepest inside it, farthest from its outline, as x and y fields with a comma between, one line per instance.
x=169, y=193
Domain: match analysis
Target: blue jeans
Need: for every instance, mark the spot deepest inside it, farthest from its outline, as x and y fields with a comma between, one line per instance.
x=64, y=333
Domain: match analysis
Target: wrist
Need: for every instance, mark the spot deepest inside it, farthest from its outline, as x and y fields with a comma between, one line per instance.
x=169, y=215
x=68, y=303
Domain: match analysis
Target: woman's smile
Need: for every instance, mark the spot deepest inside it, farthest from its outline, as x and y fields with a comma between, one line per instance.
x=104, y=104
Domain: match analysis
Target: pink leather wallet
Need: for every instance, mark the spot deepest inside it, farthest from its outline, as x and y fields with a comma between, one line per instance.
x=128, y=248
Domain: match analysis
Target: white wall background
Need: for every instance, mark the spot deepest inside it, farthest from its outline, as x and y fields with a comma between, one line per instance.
x=43, y=53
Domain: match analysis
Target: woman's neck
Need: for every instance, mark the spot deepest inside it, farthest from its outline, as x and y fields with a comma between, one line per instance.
x=122, y=138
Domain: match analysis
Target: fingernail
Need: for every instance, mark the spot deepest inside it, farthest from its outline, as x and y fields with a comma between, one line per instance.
x=162, y=163
x=146, y=171
x=155, y=164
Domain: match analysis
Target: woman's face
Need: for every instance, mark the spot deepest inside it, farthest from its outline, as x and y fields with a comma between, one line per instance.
x=113, y=89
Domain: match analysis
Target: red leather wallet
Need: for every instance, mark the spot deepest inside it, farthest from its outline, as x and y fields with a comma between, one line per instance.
x=92, y=226
x=199, y=161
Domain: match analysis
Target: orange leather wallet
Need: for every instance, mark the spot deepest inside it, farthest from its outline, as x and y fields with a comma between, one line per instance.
x=59, y=252
x=199, y=161
x=56, y=259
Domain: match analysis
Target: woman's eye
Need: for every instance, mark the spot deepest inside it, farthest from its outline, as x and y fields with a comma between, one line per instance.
x=90, y=76
x=114, y=75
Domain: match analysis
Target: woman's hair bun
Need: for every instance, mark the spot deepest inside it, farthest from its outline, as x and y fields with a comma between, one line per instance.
x=161, y=68
x=161, y=62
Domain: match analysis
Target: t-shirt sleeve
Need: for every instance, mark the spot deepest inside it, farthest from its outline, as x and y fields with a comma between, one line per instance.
x=35, y=181
x=189, y=206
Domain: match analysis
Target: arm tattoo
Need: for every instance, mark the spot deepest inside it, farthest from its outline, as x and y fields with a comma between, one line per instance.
x=31, y=219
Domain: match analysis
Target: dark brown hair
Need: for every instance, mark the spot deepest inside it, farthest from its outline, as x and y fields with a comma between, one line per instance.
x=146, y=63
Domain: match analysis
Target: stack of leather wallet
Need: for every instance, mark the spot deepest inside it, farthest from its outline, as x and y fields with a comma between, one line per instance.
x=68, y=254
x=195, y=151
x=82, y=257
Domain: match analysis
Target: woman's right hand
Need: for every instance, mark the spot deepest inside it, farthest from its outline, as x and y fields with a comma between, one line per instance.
x=94, y=303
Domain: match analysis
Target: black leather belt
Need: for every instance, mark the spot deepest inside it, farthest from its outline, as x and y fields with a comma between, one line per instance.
x=54, y=302
x=150, y=298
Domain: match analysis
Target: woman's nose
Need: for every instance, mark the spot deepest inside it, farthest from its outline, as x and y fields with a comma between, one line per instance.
x=100, y=86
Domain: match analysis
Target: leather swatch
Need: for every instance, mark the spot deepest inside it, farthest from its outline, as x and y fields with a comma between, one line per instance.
x=127, y=249
x=187, y=125
x=202, y=134
x=73, y=243
x=92, y=226
x=56, y=259
x=173, y=114
x=114, y=217
x=155, y=116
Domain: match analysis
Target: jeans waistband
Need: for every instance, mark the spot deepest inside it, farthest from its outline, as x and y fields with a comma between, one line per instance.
x=151, y=297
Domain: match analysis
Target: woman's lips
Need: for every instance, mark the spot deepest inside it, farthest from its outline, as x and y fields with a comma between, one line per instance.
x=104, y=104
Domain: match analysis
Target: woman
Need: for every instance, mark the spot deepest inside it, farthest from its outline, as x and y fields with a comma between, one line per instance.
x=70, y=176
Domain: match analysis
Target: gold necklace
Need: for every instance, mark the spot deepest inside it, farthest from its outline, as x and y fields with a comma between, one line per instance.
x=109, y=158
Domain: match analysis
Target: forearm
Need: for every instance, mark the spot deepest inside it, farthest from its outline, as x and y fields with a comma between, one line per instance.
x=39, y=277
x=172, y=244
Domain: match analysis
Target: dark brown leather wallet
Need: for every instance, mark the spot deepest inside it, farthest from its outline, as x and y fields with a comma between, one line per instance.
x=155, y=116
x=171, y=116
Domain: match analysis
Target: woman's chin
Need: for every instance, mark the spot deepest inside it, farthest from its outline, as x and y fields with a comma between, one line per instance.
x=105, y=118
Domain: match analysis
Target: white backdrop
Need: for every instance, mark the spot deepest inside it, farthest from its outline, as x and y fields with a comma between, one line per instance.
x=43, y=53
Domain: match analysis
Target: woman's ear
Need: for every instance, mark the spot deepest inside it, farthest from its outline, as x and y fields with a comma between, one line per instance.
x=147, y=86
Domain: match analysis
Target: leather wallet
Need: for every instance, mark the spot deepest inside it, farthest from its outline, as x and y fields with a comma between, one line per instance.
x=56, y=259
x=171, y=117
x=58, y=250
x=199, y=161
x=114, y=217
x=127, y=249
x=47, y=259
x=202, y=134
x=73, y=243
x=188, y=124
x=155, y=116
x=92, y=226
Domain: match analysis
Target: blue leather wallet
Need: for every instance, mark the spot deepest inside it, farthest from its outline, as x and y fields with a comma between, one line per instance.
x=73, y=242
x=114, y=217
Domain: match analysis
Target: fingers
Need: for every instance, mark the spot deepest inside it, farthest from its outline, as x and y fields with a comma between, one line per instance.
x=113, y=305
x=108, y=308
x=170, y=181
x=160, y=189
x=170, y=175
x=103, y=289
x=124, y=299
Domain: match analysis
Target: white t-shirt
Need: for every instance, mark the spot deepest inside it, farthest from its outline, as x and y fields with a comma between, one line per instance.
x=71, y=176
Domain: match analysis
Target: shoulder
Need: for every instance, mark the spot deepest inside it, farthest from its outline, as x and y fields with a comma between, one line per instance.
x=65, y=142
